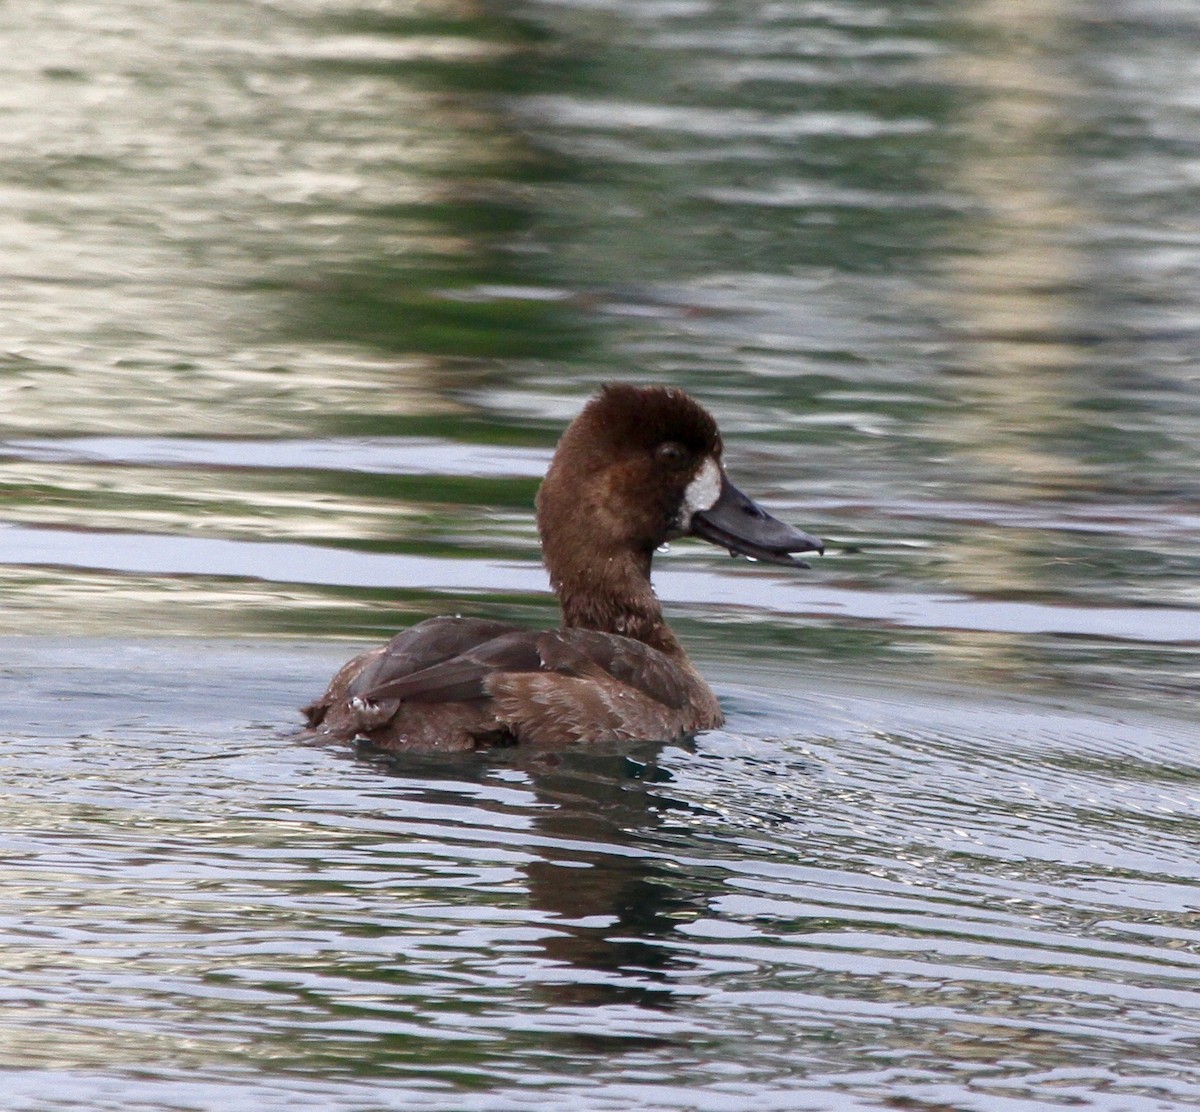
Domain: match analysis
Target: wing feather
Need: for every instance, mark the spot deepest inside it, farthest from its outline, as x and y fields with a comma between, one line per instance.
x=577, y=653
x=463, y=677
x=582, y=652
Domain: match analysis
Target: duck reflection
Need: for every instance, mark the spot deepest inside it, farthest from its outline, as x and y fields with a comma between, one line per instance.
x=599, y=877
x=615, y=898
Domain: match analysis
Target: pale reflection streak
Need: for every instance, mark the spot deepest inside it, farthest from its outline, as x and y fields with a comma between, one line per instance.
x=1005, y=295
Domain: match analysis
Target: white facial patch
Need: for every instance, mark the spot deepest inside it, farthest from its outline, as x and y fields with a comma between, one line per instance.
x=702, y=492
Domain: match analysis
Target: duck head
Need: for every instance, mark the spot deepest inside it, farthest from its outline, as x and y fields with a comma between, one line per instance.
x=640, y=466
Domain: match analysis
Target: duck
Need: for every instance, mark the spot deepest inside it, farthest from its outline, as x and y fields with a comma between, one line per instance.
x=638, y=467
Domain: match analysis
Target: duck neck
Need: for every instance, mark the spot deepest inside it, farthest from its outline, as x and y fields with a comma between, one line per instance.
x=612, y=594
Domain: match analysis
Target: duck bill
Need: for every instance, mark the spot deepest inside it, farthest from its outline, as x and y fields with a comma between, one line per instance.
x=739, y=524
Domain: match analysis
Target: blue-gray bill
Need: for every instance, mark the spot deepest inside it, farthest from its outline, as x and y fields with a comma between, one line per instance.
x=743, y=527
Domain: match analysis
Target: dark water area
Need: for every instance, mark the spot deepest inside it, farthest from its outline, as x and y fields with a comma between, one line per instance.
x=296, y=299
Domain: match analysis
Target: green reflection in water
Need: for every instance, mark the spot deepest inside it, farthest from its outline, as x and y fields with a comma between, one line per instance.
x=458, y=216
x=397, y=311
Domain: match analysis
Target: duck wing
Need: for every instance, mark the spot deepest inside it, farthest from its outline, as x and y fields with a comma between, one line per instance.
x=460, y=678
x=422, y=647
x=586, y=653
x=416, y=649
x=570, y=653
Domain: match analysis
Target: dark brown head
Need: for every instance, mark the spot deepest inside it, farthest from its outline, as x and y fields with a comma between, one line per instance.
x=639, y=466
x=621, y=468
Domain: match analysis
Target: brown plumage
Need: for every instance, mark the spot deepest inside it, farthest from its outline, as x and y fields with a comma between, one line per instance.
x=637, y=467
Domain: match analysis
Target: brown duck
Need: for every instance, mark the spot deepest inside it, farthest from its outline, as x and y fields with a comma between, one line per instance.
x=639, y=466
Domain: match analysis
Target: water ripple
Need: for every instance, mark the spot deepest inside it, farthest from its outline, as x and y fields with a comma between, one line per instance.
x=945, y=893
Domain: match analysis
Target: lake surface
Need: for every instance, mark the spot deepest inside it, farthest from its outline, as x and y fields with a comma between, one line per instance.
x=296, y=299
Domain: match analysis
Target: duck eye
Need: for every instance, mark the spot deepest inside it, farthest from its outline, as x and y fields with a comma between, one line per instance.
x=671, y=454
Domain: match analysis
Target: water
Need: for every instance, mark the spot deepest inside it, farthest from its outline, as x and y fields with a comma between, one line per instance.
x=296, y=298
x=846, y=899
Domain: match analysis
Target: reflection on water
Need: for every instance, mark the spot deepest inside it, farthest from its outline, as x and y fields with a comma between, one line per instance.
x=1012, y=298
x=211, y=185
x=1013, y=294
x=296, y=299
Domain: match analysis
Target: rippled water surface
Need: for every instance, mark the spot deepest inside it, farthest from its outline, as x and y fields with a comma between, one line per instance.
x=296, y=297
